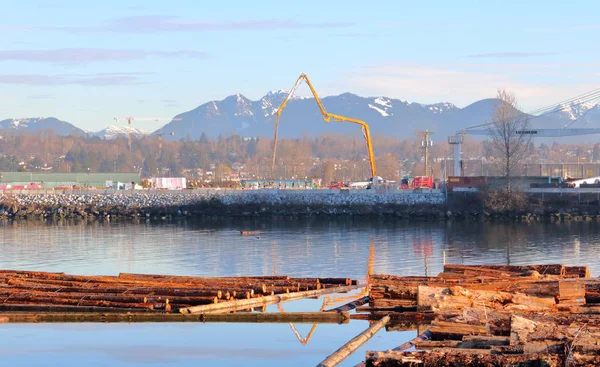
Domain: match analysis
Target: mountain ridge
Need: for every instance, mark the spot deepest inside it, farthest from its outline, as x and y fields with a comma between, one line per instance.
x=385, y=116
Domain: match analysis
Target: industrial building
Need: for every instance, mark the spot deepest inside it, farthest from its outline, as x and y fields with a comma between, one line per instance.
x=54, y=180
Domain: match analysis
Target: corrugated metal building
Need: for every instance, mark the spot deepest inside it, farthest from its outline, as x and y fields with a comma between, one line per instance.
x=52, y=180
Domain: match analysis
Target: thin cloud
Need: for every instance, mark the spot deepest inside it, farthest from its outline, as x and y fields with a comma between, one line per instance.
x=454, y=83
x=159, y=23
x=83, y=80
x=510, y=54
x=90, y=55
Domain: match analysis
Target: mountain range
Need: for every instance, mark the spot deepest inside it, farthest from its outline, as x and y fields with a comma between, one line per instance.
x=385, y=116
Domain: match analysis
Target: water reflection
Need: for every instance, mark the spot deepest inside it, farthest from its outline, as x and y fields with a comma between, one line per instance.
x=291, y=247
x=299, y=248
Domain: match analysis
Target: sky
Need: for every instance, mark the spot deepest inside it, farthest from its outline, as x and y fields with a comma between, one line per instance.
x=88, y=62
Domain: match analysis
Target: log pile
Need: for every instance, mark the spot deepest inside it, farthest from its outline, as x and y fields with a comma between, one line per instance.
x=32, y=291
x=533, y=288
x=496, y=316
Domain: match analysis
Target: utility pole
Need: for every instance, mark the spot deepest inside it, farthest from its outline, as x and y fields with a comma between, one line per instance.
x=425, y=144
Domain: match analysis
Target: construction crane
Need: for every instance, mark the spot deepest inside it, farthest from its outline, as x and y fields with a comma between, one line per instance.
x=129, y=119
x=457, y=139
x=328, y=117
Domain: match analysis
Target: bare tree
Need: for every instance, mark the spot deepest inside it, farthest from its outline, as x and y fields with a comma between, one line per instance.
x=509, y=138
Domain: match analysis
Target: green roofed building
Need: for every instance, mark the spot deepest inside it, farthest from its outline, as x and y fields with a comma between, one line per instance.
x=53, y=180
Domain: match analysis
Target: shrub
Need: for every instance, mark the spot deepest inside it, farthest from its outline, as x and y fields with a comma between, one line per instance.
x=504, y=201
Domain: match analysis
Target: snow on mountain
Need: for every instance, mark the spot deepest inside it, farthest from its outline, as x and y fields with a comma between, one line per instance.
x=576, y=109
x=385, y=116
x=38, y=124
x=440, y=107
x=113, y=131
x=380, y=110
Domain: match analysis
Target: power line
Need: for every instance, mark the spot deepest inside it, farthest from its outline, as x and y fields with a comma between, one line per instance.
x=593, y=95
x=552, y=106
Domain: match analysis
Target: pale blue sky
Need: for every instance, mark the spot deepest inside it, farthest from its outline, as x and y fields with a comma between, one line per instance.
x=87, y=62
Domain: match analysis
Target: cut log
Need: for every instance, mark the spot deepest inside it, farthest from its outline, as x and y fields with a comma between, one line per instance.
x=350, y=347
x=350, y=305
x=444, y=330
x=238, y=304
x=421, y=338
x=436, y=344
x=553, y=269
x=415, y=359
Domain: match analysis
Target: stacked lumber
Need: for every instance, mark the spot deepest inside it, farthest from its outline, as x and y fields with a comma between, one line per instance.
x=496, y=315
x=59, y=292
x=530, y=287
x=519, y=339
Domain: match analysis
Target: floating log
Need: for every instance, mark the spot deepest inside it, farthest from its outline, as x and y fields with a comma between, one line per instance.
x=350, y=347
x=293, y=317
x=456, y=358
x=421, y=338
x=66, y=308
x=239, y=304
x=350, y=305
x=553, y=269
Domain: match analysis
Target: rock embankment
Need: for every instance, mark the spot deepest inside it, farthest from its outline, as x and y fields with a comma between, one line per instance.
x=149, y=204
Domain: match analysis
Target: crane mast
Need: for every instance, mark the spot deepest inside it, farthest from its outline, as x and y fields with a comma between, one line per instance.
x=327, y=117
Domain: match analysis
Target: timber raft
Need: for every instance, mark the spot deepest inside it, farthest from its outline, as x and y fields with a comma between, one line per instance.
x=536, y=315
x=468, y=315
x=31, y=296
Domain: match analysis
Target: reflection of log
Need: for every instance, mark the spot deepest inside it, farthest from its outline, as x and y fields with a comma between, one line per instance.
x=350, y=347
x=254, y=302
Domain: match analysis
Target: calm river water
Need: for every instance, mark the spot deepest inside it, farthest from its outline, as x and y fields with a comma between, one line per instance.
x=331, y=248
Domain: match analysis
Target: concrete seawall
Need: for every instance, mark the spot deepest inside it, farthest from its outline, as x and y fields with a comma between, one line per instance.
x=48, y=203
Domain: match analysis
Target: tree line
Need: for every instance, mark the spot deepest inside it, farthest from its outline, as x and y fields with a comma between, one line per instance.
x=332, y=157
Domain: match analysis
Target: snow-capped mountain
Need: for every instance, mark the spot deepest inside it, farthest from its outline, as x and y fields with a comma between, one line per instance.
x=586, y=112
x=256, y=118
x=385, y=116
x=40, y=124
x=113, y=131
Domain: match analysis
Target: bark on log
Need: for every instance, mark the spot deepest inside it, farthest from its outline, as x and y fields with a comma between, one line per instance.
x=231, y=305
x=414, y=359
x=421, y=338
x=294, y=317
x=350, y=305
x=350, y=347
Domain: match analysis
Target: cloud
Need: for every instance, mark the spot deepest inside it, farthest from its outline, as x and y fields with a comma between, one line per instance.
x=510, y=54
x=89, y=55
x=5, y=96
x=461, y=84
x=106, y=79
x=159, y=23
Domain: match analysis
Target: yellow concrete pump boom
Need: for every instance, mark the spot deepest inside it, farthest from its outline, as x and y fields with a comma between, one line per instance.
x=328, y=117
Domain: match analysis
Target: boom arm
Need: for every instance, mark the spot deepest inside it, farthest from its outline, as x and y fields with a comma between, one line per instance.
x=538, y=132
x=328, y=117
